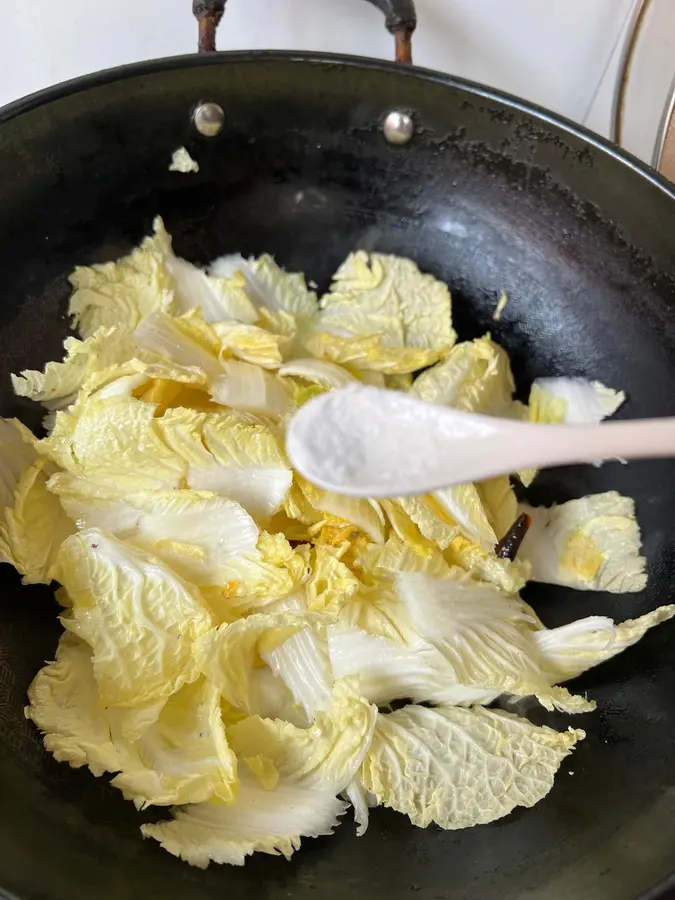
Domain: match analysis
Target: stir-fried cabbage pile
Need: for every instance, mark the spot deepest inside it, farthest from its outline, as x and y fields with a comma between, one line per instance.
x=254, y=652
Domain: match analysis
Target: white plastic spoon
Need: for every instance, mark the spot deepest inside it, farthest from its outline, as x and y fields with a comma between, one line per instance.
x=369, y=442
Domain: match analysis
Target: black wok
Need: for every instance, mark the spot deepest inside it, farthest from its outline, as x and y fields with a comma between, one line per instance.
x=489, y=195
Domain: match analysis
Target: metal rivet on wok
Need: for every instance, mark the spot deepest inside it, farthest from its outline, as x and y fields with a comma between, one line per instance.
x=209, y=119
x=398, y=127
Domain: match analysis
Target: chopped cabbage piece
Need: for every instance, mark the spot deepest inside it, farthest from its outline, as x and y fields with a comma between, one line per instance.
x=572, y=649
x=366, y=515
x=188, y=342
x=120, y=443
x=65, y=705
x=369, y=353
x=462, y=767
x=327, y=755
x=32, y=524
x=389, y=670
x=591, y=544
x=318, y=371
x=386, y=296
x=139, y=618
x=57, y=387
x=229, y=654
x=302, y=663
x=431, y=518
x=474, y=377
x=260, y=821
x=499, y=502
x=125, y=292
x=250, y=344
x=569, y=401
x=183, y=757
x=250, y=388
x=485, y=636
x=573, y=401
x=463, y=505
x=181, y=161
x=205, y=538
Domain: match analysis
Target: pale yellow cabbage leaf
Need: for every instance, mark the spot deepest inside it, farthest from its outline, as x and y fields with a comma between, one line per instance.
x=184, y=757
x=125, y=292
x=573, y=401
x=406, y=530
x=250, y=343
x=58, y=386
x=369, y=353
x=302, y=664
x=65, y=705
x=230, y=454
x=205, y=538
x=389, y=670
x=399, y=381
x=591, y=544
x=228, y=654
x=260, y=821
x=182, y=162
x=398, y=556
x=114, y=441
x=284, y=302
x=325, y=756
x=484, y=635
x=318, y=372
x=569, y=401
x=216, y=299
x=483, y=565
x=291, y=793
x=461, y=767
x=139, y=618
x=499, y=502
x=376, y=609
x=34, y=527
x=32, y=524
x=431, y=518
x=463, y=505
x=257, y=580
x=571, y=649
x=331, y=583
x=186, y=341
x=119, y=442
x=165, y=384
x=366, y=515
x=474, y=377
x=284, y=291
x=387, y=296
x=251, y=389
x=192, y=344
x=17, y=452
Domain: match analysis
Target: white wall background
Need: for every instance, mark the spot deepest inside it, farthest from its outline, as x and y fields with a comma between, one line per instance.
x=559, y=53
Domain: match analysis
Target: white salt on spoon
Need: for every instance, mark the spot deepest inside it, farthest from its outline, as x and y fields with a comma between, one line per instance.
x=369, y=442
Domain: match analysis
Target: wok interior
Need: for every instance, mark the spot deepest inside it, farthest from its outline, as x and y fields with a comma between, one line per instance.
x=487, y=197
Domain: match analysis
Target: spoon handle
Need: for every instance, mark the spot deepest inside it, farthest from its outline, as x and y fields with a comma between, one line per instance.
x=638, y=439
x=522, y=445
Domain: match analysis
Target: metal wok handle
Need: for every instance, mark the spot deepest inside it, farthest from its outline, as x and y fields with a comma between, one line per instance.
x=400, y=19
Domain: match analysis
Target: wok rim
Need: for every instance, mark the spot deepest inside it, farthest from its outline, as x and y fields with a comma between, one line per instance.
x=82, y=83
x=665, y=889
